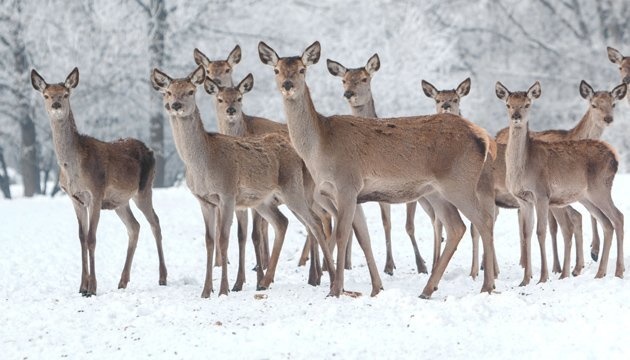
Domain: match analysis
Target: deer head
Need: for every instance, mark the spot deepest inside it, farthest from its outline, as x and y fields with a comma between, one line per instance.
x=446, y=101
x=518, y=102
x=602, y=103
x=229, y=99
x=290, y=71
x=356, y=82
x=56, y=96
x=622, y=61
x=178, y=94
x=220, y=71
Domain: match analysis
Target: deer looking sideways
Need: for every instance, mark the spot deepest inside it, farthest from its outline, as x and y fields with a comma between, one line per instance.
x=354, y=160
x=624, y=65
x=226, y=173
x=542, y=174
x=99, y=175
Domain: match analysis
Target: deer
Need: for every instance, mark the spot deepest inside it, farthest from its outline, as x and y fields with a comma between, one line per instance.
x=358, y=93
x=234, y=122
x=544, y=174
x=97, y=176
x=354, y=160
x=226, y=173
x=598, y=116
x=624, y=65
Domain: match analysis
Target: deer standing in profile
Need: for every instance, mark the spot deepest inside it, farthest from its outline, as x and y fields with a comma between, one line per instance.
x=100, y=175
x=226, y=173
x=599, y=115
x=355, y=160
x=358, y=92
x=554, y=174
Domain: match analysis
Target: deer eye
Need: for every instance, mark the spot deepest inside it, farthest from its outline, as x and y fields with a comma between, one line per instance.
x=227, y=71
x=65, y=96
x=169, y=93
x=239, y=99
x=276, y=71
x=343, y=81
x=508, y=106
x=593, y=106
x=526, y=106
x=302, y=70
x=364, y=80
x=46, y=97
x=455, y=100
x=613, y=105
x=220, y=100
x=191, y=92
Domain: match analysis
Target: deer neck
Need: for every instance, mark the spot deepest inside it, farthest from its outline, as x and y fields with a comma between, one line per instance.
x=516, y=156
x=587, y=128
x=235, y=127
x=66, y=140
x=305, y=128
x=366, y=110
x=190, y=138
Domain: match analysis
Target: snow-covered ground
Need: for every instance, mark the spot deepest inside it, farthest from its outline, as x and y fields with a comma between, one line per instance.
x=43, y=315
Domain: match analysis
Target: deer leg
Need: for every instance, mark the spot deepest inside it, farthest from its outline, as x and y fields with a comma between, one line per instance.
x=526, y=220
x=411, y=230
x=616, y=221
x=315, y=271
x=455, y=230
x=209, y=217
x=561, y=216
x=576, y=220
x=241, y=219
x=542, y=213
x=305, y=251
x=474, y=235
x=595, y=242
x=348, y=252
x=82, y=218
x=363, y=237
x=225, y=216
x=264, y=239
x=386, y=218
x=94, y=216
x=256, y=240
x=553, y=230
x=279, y=223
x=145, y=204
x=133, y=230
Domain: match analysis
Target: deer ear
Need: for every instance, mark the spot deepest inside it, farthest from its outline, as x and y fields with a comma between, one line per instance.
x=160, y=80
x=373, y=64
x=38, y=81
x=246, y=84
x=267, y=54
x=335, y=68
x=614, y=55
x=73, y=79
x=501, y=91
x=464, y=88
x=586, y=91
x=210, y=86
x=200, y=58
x=310, y=56
x=534, y=91
x=235, y=56
x=198, y=76
x=619, y=92
x=428, y=89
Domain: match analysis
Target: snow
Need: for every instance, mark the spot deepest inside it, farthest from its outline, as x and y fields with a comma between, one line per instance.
x=44, y=316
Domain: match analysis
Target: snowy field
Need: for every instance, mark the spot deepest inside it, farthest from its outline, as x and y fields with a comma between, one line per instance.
x=44, y=317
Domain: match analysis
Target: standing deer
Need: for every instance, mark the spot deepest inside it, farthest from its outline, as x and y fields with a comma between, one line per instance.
x=234, y=122
x=355, y=160
x=542, y=174
x=599, y=115
x=358, y=92
x=100, y=175
x=624, y=65
x=226, y=173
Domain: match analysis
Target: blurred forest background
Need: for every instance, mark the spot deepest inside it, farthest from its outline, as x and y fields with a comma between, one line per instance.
x=116, y=43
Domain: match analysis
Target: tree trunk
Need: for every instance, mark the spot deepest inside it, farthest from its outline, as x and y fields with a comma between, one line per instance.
x=4, y=177
x=157, y=31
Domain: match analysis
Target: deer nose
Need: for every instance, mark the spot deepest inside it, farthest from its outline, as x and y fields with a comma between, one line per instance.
x=348, y=94
x=231, y=110
x=626, y=80
x=287, y=85
x=176, y=106
x=56, y=105
x=608, y=119
x=516, y=116
x=446, y=106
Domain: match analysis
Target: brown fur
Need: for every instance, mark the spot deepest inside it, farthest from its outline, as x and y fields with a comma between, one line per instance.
x=100, y=175
x=226, y=173
x=397, y=160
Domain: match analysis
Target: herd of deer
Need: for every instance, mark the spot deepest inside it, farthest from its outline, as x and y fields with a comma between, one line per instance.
x=323, y=167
